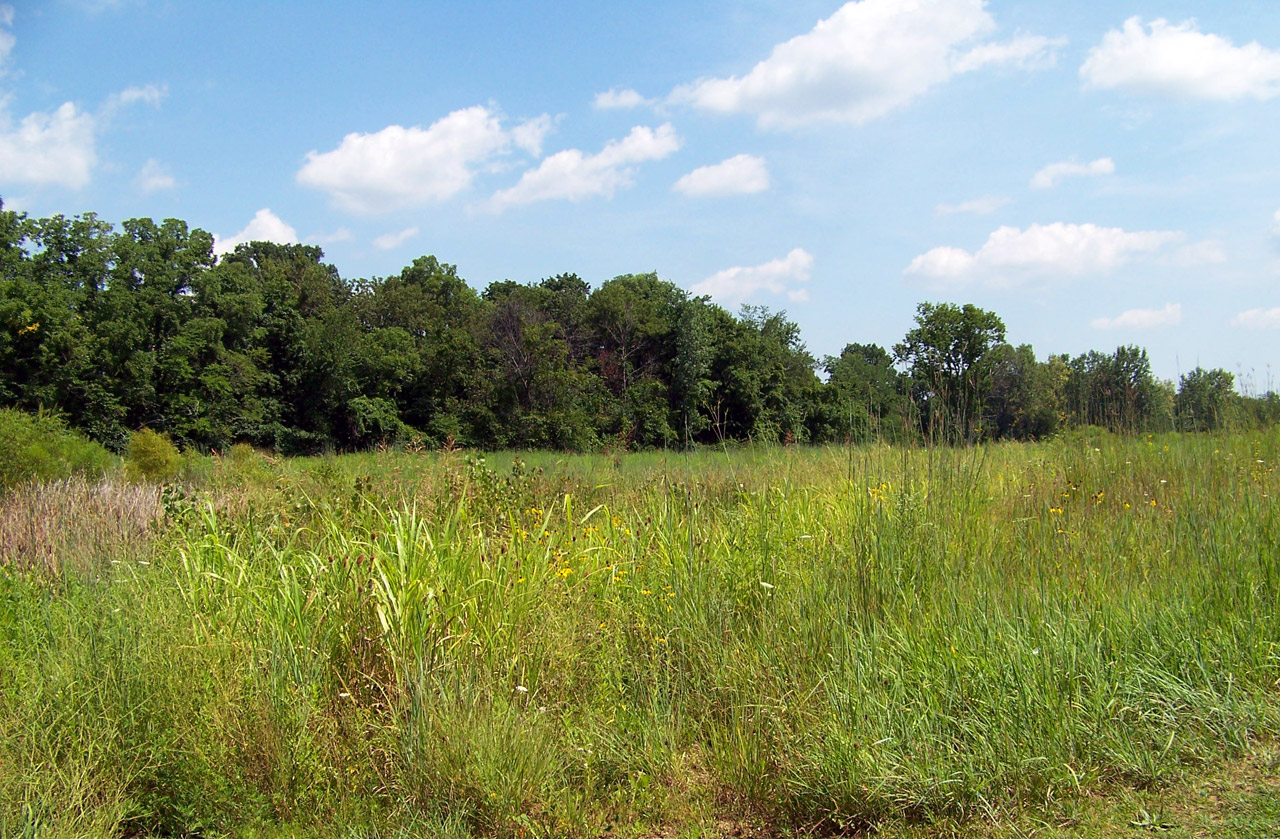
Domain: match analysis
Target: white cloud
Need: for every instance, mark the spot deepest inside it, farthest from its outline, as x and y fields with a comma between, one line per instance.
x=778, y=276
x=864, y=61
x=1027, y=52
x=1049, y=176
x=387, y=241
x=1182, y=62
x=528, y=135
x=153, y=177
x=739, y=175
x=1258, y=318
x=615, y=98
x=265, y=226
x=1170, y=315
x=48, y=148
x=1275, y=224
x=1011, y=255
x=150, y=94
x=573, y=176
x=401, y=167
x=978, y=206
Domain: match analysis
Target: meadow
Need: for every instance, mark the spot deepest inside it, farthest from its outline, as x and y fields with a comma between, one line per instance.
x=742, y=641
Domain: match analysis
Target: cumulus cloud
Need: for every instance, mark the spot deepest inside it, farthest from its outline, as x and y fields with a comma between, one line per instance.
x=615, y=98
x=864, y=61
x=778, y=276
x=154, y=177
x=265, y=226
x=1170, y=315
x=1258, y=318
x=1011, y=255
x=978, y=206
x=573, y=176
x=739, y=175
x=1182, y=62
x=387, y=241
x=1050, y=175
x=56, y=148
x=400, y=167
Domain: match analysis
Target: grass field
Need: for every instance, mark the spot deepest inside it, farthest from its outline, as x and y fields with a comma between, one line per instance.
x=1073, y=638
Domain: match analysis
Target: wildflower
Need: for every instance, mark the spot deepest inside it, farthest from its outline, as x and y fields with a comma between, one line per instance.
x=563, y=572
x=1153, y=502
x=521, y=689
x=1126, y=505
x=763, y=584
x=1056, y=511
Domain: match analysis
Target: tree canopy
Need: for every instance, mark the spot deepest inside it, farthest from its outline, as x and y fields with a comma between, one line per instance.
x=142, y=327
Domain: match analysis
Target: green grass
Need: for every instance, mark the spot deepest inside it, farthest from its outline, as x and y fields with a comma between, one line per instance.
x=778, y=641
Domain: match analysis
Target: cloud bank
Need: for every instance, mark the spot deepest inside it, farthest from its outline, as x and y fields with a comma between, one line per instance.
x=1181, y=62
x=741, y=174
x=1011, y=256
x=778, y=276
x=1049, y=176
x=571, y=175
x=866, y=60
x=398, y=168
x=265, y=226
x=1170, y=315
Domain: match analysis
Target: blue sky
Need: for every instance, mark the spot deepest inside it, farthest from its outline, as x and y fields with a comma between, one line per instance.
x=1097, y=173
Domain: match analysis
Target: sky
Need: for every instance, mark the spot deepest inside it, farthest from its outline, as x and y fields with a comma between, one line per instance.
x=1096, y=173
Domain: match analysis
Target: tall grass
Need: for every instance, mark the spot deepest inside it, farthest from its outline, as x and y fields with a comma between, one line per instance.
x=819, y=640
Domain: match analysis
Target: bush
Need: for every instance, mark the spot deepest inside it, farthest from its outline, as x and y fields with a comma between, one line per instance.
x=40, y=447
x=152, y=457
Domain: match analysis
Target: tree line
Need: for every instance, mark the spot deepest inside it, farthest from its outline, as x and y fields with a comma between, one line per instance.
x=143, y=327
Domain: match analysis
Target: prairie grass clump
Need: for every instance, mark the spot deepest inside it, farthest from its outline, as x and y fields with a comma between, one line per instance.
x=78, y=524
x=40, y=447
x=808, y=640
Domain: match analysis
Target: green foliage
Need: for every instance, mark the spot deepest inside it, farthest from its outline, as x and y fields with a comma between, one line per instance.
x=121, y=328
x=1206, y=400
x=152, y=456
x=948, y=354
x=867, y=397
x=40, y=447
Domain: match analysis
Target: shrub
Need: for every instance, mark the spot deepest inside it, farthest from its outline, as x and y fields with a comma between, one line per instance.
x=152, y=457
x=40, y=447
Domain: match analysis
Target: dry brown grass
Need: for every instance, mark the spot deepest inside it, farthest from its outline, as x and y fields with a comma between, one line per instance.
x=77, y=524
